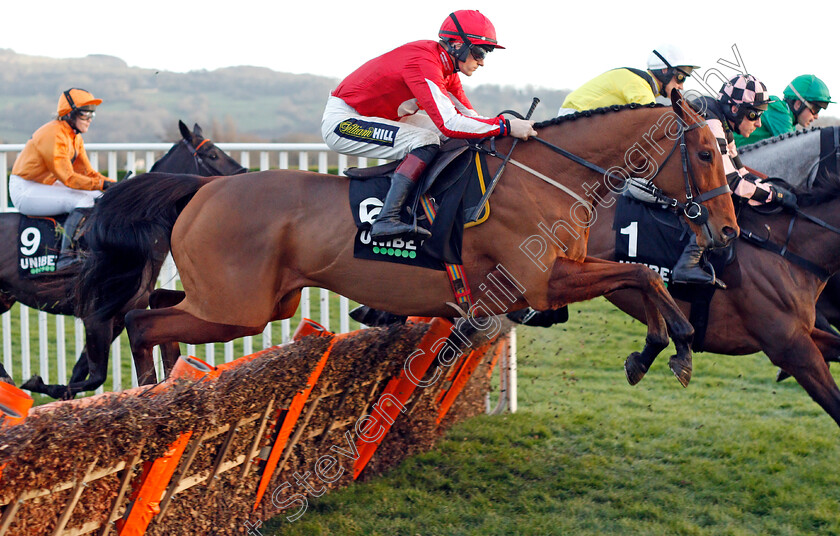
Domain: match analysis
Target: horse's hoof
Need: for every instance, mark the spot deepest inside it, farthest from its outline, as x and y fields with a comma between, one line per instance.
x=681, y=367
x=634, y=369
x=34, y=384
x=375, y=318
x=782, y=375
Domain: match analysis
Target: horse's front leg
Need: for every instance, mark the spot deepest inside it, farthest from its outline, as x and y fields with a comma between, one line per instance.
x=4, y=376
x=91, y=371
x=804, y=358
x=637, y=364
x=148, y=328
x=575, y=281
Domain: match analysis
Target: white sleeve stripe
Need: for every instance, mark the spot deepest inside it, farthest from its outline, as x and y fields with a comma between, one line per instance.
x=461, y=108
x=452, y=120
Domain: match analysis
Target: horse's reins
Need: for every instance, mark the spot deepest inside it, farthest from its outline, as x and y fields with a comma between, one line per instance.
x=505, y=160
x=693, y=210
x=783, y=250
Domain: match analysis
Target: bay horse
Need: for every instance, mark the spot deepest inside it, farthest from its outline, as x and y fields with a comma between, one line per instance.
x=55, y=293
x=768, y=304
x=246, y=245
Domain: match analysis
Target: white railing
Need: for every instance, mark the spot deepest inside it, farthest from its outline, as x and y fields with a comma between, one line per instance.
x=137, y=157
x=52, y=332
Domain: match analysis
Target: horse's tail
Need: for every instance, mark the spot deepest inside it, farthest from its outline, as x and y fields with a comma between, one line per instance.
x=129, y=227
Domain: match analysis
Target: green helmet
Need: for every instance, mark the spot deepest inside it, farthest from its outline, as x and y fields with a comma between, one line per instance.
x=808, y=87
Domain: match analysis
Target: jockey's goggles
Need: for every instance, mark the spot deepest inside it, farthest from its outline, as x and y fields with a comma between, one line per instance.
x=815, y=107
x=85, y=115
x=480, y=52
x=752, y=114
x=680, y=75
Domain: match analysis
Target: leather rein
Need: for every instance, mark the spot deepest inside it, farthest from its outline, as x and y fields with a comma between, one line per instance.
x=784, y=252
x=693, y=210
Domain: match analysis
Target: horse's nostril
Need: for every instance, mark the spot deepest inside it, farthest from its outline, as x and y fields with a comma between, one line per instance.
x=730, y=232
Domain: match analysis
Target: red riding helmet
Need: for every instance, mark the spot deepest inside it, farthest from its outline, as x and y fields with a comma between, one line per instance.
x=475, y=28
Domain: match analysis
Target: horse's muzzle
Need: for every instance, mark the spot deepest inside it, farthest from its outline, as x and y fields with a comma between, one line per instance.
x=725, y=237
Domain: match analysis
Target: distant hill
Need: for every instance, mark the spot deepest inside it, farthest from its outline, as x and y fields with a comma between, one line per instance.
x=234, y=104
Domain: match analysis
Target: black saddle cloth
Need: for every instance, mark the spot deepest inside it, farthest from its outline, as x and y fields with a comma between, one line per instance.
x=39, y=244
x=656, y=236
x=454, y=183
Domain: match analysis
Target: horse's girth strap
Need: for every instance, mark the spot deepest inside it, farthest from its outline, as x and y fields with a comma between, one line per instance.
x=455, y=272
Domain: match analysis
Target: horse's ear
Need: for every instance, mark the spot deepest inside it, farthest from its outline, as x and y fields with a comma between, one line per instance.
x=677, y=103
x=185, y=132
x=197, y=130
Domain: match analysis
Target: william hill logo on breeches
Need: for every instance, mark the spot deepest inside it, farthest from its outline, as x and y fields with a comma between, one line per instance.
x=376, y=133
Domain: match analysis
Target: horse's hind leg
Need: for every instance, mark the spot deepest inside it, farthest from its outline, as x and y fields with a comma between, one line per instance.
x=158, y=299
x=148, y=328
x=6, y=303
x=574, y=281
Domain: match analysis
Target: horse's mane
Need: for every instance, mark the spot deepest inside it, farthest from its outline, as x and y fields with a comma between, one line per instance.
x=595, y=112
x=776, y=139
x=822, y=192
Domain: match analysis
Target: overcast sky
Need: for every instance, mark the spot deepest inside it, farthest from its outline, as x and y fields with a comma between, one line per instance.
x=549, y=44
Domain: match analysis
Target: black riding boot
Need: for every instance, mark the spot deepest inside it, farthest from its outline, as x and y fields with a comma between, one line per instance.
x=688, y=269
x=388, y=224
x=69, y=249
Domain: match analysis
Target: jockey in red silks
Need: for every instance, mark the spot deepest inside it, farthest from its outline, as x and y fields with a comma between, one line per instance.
x=402, y=104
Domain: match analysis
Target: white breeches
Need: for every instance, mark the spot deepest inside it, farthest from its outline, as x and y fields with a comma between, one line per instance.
x=36, y=199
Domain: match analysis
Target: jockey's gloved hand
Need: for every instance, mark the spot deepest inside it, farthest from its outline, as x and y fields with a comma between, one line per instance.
x=522, y=128
x=107, y=184
x=783, y=197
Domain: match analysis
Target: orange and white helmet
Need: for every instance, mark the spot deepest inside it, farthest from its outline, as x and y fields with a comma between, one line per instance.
x=76, y=99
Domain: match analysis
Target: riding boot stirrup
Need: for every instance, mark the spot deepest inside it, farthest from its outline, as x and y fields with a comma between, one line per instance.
x=688, y=269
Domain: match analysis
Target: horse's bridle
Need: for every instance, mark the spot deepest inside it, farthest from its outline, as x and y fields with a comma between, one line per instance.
x=200, y=163
x=693, y=210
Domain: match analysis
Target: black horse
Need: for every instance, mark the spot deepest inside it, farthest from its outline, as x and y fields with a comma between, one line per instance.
x=56, y=293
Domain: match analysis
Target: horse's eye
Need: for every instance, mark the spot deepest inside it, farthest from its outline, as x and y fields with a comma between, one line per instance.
x=705, y=156
x=213, y=156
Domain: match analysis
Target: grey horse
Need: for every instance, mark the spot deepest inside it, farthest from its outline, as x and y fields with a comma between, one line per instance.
x=794, y=157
